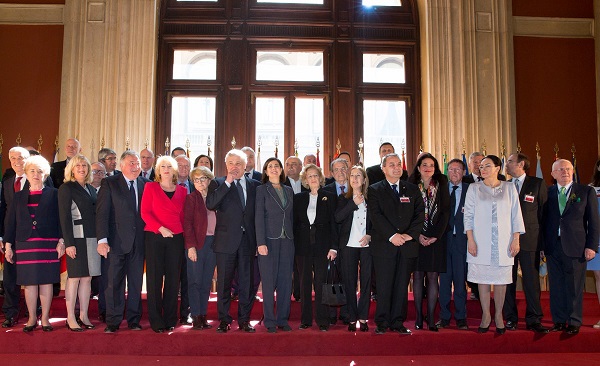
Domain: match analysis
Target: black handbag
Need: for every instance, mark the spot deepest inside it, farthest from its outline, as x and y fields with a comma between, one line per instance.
x=334, y=293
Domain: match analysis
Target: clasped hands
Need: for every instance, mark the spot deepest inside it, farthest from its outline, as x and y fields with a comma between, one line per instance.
x=426, y=241
x=400, y=239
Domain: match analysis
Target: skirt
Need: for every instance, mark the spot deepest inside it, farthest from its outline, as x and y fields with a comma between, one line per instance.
x=87, y=260
x=37, y=262
x=489, y=275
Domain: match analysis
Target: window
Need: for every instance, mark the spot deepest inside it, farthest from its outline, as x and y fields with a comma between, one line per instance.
x=289, y=66
x=319, y=2
x=381, y=3
x=270, y=127
x=193, y=121
x=378, y=68
x=384, y=121
x=195, y=64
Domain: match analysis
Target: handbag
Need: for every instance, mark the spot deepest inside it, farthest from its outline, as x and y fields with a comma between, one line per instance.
x=334, y=293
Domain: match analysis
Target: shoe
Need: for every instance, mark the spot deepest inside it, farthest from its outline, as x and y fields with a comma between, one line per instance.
x=380, y=329
x=246, y=327
x=323, y=328
x=538, y=328
x=87, y=326
x=572, y=329
x=374, y=297
x=364, y=327
x=235, y=297
x=352, y=327
x=432, y=328
x=197, y=322
x=402, y=330
x=205, y=324
x=285, y=328
x=483, y=329
x=29, y=328
x=501, y=330
x=596, y=326
x=333, y=320
x=110, y=329
x=558, y=327
x=47, y=328
x=271, y=330
x=304, y=326
x=442, y=323
x=78, y=329
x=462, y=324
x=9, y=323
x=223, y=327
x=102, y=318
x=159, y=330
x=419, y=322
x=169, y=329
x=185, y=320
x=135, y=326
x=510, y=325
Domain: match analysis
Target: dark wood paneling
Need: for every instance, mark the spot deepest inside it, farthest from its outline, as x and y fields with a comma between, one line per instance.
x=554, y=8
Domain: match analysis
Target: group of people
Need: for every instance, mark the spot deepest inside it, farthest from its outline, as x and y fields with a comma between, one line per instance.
x=290, y=228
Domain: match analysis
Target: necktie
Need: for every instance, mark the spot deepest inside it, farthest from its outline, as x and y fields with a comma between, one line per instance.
x=562, y=200
x=17, y=186
x=395, y=188
x=240, y=190
x=453, y=200
x=247, y=175
x=132, y=193
x=145, y=174
x=343, y=190
x=518, y=185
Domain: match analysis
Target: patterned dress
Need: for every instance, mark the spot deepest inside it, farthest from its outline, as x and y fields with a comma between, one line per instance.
x=36, y=258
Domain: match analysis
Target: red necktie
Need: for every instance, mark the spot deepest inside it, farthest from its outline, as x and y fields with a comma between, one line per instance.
x=17, y=185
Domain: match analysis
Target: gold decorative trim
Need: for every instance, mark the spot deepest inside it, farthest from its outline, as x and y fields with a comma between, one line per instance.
x=553, y=27
x=31, y=13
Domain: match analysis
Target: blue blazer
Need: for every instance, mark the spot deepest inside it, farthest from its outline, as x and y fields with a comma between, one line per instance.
x=271, y=215
x=19, y=223
x=578, y=223
x=232, y=218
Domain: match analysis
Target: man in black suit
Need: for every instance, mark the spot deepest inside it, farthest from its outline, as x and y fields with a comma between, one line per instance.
x=233, y=198
x=183, y=179
x=374, y=173
x=456, y=254
x=147, y=164
x=533, y=195
x=108, y=157
x=57, y=170
x=570, y=229
x=120, y=233
x=12, y=292
x=250, y=170
x=397, y=213
x=474, y=161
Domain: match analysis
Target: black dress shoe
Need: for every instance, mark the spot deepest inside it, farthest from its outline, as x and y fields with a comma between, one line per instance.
x=185, y=320
x=461, y=324
x=538, y=328
x=402, y=330
x=271, y=330
x=323, y=328
x=9, y=323
x=246, y=327
x=442, y=323
x=223, y=327
x=304, y=326
x=48, y=328
x=572, y=329
x=169, y=329
x=432, y=328
x=78, y=329
x=159, y=330
x=29, y=328
x=364, y=327
x=110, y=329
x=135, y=326
x=285, y=328
x=333, y=321
x=380, y=329
x=510, y=325
x=352, y=327
x=501, y=330
x=558, y=327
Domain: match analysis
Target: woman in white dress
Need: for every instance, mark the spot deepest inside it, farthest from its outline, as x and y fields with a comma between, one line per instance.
x=493, y=223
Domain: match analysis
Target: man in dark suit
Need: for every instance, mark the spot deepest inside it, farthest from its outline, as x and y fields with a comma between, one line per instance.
x=147, y=164
x=533, y=195
x=57, y=170
x=456, y=254
x=474, y=161
x=570, y=229
x=233, y=198
x=108, y=157
x=120, y=233
x=397, y=213
x=374, y=173
x=10, y=307
x=183, y=179
x=343, y=155
x=250, y=170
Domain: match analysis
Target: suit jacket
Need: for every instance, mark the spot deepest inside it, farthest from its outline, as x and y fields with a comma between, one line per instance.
x=232, y=219
x=375, y=174
x=578, y=223
x=333, y=189
x=457, y=219
x=195, y=221
x=57, y=173
x=77, y=210
x=390, y=216
x=159, y=210
x=323, y=230
x=272, y=215
x=150, y=176
x=117, y=219
x=7, y=194
x=289, y=184
x=256, y=175
x=344, y=217
x=19, y=223
x=532, y=197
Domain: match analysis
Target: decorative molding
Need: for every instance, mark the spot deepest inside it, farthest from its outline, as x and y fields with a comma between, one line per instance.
x=31, y=13
x=96, y=12
x=554, y=27
x=483, y=21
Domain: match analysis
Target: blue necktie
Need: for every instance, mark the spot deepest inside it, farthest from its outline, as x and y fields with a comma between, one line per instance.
x=395, y=189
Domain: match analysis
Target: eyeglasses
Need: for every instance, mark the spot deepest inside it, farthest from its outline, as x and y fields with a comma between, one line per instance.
x=337, y=170
x=98, y=172
x=201, y=179
x=455, y=170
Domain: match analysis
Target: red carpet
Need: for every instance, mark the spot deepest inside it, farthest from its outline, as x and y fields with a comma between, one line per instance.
x=311, y=346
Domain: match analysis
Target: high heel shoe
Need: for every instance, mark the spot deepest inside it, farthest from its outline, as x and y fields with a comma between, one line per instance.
x=78, y=329
x=483, y=329
x=47, y=328
x=29, y=328
x=419, y=322
x=500, y=330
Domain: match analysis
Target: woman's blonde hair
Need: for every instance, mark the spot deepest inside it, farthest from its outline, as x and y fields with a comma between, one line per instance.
x=170, y=160
x=319, y=172
x=70, y=177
